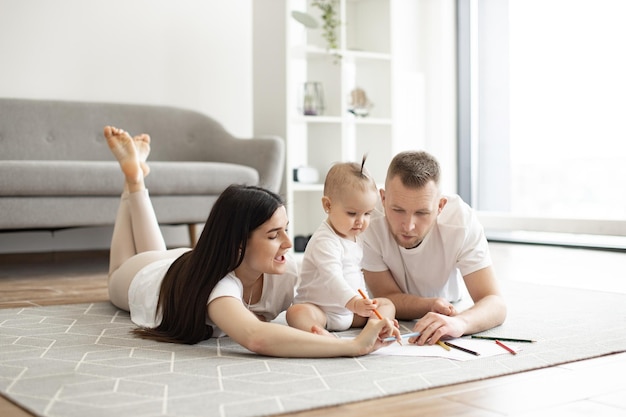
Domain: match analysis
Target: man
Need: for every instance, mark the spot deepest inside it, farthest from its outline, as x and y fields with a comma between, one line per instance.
x=421, y=251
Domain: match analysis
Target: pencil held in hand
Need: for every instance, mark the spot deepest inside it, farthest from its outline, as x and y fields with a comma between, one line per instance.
x=365, y=298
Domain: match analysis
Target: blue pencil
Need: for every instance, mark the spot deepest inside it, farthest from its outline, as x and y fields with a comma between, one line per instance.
x=404, y=336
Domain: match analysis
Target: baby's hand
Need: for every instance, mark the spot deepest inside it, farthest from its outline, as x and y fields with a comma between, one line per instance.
x=363, y=307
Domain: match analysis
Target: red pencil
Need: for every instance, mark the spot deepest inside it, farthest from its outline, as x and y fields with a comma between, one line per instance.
x=365, y=298
x=506, y=347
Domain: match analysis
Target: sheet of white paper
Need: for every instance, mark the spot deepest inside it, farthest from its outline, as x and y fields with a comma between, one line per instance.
x=486, y=348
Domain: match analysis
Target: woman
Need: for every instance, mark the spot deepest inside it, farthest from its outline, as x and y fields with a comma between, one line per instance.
x=237, y=278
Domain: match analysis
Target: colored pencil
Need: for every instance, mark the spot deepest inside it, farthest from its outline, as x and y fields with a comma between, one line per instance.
x=506, y=347
x=506, y=339
x=452, y=345
x=443, y=345
x=404, y=336
x=375, y=311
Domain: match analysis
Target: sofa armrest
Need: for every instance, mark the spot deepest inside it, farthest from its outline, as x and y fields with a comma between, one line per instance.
x=266, y=155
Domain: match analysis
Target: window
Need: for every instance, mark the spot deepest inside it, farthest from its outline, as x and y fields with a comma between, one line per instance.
x=542, y=90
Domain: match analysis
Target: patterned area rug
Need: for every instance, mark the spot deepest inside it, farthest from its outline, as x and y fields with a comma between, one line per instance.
x=78, y=360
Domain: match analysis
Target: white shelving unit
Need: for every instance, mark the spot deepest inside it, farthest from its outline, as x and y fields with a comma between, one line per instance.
x=375, y=53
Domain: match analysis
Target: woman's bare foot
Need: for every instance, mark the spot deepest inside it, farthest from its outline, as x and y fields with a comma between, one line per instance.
x=142, y=144
x=127, y=154
x=315, y=329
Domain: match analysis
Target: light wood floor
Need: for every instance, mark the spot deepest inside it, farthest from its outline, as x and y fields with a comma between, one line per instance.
x=592, y=387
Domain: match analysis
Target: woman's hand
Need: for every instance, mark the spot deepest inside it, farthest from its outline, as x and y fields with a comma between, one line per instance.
x=373, y=335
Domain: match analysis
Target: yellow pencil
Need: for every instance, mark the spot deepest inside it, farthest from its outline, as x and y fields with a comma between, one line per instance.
x=443, y=345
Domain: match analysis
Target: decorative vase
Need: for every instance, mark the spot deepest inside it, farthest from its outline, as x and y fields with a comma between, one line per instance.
x=312, y=99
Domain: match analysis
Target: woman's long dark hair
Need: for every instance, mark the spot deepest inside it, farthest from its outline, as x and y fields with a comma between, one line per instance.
x=221, y=248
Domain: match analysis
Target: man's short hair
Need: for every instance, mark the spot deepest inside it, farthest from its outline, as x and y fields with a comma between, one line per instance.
x=415, y=169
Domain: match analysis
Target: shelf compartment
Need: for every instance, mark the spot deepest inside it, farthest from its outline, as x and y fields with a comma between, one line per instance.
x=312, y=37
x=307, y=211
x=367, y=26
x=316, y=145
x=317, y=68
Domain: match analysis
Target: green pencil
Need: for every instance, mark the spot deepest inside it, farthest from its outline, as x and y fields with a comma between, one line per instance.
x=506, y=339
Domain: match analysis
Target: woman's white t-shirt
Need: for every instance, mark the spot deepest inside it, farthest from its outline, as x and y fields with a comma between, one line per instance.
x=143, y=293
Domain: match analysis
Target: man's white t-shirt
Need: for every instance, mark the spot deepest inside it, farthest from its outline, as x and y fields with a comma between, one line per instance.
x=455, y=247
x=278, y=293
x=331, y=271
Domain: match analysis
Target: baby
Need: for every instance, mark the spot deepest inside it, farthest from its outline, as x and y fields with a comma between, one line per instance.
x=328, y=297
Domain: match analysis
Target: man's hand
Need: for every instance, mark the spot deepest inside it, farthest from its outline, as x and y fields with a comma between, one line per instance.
x=442, y=306
x=434, y=326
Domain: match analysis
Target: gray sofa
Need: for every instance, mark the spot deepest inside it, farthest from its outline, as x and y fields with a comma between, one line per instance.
x=56, y=170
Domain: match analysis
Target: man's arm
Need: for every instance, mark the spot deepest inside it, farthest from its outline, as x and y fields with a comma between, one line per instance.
x=489, y=310
x=408, y=306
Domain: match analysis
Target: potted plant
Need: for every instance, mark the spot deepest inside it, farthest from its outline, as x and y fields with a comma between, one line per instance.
x=330, y=22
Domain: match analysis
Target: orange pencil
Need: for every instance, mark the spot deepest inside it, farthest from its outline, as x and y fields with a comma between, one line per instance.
x=365, y=298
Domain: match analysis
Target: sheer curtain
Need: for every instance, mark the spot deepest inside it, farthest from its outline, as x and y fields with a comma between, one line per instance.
x=543, y=117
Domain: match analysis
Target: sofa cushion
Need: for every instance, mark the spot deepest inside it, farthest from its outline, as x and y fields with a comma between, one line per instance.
x=57, y=212
x=104, y=178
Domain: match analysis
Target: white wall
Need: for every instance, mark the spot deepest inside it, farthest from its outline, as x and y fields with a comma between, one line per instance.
x=195, y=54
x=189, y=53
